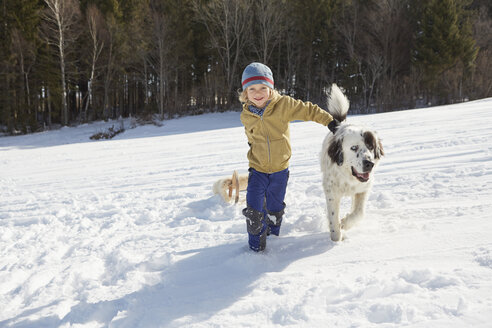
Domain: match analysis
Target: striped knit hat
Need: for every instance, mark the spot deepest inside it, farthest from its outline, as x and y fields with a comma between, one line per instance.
x=257, y=73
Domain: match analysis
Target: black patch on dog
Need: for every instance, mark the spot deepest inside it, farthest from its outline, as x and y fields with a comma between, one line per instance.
x=379, y=149
x=335, y=152
x=369, y=140
x=373, y=144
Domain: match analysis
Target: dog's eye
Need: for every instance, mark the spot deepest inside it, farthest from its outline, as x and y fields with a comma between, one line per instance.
x=355, y=148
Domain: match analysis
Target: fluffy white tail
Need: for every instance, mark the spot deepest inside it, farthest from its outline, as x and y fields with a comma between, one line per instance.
x=338, y=104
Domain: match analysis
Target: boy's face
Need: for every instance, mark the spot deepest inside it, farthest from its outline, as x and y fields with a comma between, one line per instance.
x=258, y=94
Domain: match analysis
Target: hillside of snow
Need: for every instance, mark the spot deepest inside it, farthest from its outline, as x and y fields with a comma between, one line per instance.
x=127, y=232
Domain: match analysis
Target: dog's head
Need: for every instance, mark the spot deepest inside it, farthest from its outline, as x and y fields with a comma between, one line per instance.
x=357, y=150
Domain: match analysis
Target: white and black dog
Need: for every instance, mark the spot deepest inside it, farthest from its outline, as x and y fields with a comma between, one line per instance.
x=348, y=159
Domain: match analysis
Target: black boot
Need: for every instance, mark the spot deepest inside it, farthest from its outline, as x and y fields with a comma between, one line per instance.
x=256, y=227
x=274, y=220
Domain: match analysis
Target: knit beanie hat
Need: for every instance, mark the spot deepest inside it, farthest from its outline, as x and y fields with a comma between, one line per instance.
x=257, y=73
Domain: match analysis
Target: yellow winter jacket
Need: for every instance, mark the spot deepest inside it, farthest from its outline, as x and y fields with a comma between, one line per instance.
x=269, y=135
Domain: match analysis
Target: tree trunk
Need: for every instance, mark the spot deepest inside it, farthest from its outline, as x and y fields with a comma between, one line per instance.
x=64, y=85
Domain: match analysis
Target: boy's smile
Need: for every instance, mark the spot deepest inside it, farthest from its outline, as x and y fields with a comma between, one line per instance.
x=258, y=94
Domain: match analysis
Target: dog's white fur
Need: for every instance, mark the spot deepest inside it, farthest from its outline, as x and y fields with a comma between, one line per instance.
x=223, y=185
x=348, y=160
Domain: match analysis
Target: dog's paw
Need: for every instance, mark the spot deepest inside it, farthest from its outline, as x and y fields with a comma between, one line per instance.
x=343, y=223
x=349, y=221
x=346, y=223
x=336, y=235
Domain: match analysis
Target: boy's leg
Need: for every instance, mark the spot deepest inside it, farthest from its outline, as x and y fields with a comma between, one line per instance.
x=275, y=195
x=255, y=219
x=256, y=190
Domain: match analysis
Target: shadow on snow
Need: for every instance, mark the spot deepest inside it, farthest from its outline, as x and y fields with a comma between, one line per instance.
x=200, y=285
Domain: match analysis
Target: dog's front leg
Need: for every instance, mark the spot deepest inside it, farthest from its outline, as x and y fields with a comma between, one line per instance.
x=333, y=212
x=358, y=209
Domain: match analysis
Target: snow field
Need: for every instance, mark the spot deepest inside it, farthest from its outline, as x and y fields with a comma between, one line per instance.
x=127, y=233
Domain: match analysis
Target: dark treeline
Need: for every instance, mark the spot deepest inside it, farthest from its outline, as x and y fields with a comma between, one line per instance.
x=66, y=62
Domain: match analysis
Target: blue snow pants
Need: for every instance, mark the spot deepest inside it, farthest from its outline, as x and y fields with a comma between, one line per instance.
x=266, y=191
x=265, y=206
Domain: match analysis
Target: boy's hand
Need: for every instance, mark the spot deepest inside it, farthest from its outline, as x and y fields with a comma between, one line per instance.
x=333, y=125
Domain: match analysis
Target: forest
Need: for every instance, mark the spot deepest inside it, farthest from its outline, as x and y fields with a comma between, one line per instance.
x=68, y=62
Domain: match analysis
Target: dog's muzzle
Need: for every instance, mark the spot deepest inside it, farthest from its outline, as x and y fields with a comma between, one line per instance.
x=364, y=176
x=367, y=165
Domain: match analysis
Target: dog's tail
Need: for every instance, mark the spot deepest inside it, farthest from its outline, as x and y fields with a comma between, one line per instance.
x=338, y=104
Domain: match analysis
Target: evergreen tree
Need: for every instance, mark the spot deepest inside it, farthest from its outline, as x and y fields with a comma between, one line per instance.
x=443, y=39
x=18, y=53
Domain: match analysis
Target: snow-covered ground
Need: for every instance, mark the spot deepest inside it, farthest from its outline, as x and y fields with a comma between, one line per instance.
x=127, y=232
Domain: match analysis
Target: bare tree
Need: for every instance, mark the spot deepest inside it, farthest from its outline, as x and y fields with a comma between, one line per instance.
x=227, y=22
x=61, y=17
x=380, y=53
x=25, y=52
x=270, y=17
x=394, y=43
x=113, y=50
x=348, y=27
x=481, y=82
x=164, y=44
x=292, y=50
x=375, y=68
x=95, y=23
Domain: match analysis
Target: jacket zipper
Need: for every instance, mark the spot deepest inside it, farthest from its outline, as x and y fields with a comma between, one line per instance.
x=268, y=144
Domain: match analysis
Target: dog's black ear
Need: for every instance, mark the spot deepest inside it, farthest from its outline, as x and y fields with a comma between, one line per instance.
x=379, y=149
x=373, y=144
x=335, y=152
